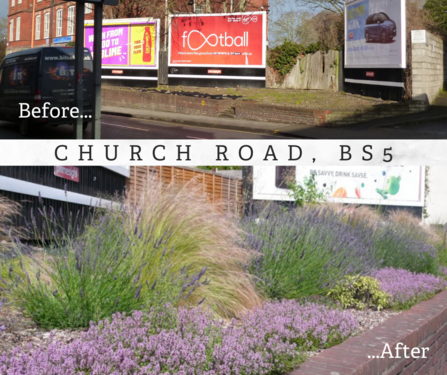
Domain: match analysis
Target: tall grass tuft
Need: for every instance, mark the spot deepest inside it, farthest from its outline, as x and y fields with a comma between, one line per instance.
x=201, y=239
x=305, y=251
x=8, y=209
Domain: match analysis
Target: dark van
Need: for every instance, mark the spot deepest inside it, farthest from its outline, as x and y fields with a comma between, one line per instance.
x=36, y=76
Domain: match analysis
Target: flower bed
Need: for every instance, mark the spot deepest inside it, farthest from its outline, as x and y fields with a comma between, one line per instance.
x=269, y=340
x=408, y=288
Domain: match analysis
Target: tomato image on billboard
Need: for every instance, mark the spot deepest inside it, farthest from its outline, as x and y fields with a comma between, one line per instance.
x=218, y=40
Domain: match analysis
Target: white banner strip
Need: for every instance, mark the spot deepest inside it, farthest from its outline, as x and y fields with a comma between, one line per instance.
x=30, y=188
x=224, y=152
x=215, y=77
x=129, y=77
x=376, y=83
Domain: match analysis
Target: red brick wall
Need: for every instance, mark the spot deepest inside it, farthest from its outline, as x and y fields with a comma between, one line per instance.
x=251, y=110
x=425, y=325
x=272, y=113
x=164, y=103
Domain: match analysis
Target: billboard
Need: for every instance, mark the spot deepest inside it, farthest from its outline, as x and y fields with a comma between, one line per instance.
x=375, y=34
x=218, y=40
x=127, y=43
x=393, y=185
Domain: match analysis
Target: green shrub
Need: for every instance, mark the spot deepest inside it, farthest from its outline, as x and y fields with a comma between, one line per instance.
x=284, y=57
x=308, y=191
x=359, y=292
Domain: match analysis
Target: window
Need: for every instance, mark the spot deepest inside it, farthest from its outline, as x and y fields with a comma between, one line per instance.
x=18, y=29
x=19, y=2
x=13, y=2
x=11, y=30
x=71, y=21
x=88, y=8
x=197, y=8
x=37, y=36
x=46, y=26
x=59, y=22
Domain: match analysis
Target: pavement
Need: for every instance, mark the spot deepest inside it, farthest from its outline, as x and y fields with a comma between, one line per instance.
x=430, y=124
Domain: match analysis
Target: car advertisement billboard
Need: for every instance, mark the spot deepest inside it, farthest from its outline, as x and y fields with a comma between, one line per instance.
x=375, y=34
x=393, y=185
x=127, y=43
x=223, y=40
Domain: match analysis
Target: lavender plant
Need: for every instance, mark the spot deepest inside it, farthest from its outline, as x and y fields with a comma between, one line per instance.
x=408, y=288
x=87, y=276
x=303, y=252
x=406, y=247
x=270, y=340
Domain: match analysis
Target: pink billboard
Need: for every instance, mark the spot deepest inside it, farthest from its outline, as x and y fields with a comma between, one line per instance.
x=127, y=43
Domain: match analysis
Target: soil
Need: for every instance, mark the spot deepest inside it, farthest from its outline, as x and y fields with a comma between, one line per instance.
x=18, y=330
x=310, y=99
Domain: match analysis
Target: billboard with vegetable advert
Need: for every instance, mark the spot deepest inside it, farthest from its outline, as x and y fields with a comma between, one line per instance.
x=394, y=185
x=127, y=43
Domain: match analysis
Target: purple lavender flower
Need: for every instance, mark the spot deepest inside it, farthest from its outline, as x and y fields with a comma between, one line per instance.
x=407, y=288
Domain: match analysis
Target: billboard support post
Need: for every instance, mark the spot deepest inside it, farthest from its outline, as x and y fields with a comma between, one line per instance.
x=96, y=123
x=79, y=70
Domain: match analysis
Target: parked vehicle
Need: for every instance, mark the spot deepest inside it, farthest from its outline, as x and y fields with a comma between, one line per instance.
x=34, y=77
x=379, y=27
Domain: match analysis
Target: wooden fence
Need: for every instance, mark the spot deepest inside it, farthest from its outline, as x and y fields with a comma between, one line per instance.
x=317, y=71
x=224, y=192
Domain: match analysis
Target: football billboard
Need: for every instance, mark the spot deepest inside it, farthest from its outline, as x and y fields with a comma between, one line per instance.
x=375, y=35
x=394, y=185
x=127, y=43
x=218, y=40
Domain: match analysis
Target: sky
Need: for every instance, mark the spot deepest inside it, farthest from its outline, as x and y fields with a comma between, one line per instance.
x=3, y=8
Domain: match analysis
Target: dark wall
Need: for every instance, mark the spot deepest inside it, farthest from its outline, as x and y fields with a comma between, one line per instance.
x=93, y=181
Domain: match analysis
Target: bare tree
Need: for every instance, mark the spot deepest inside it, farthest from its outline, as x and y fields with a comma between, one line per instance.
x=293, y=26
x=329, y=29
x=333, y=6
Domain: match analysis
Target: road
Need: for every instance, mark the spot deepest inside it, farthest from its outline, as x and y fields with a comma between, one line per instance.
x=118, y=127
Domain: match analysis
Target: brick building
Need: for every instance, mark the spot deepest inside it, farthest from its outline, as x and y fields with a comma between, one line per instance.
x=33, y=23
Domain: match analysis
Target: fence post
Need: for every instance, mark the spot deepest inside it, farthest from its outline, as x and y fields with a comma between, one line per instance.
x=341, y=77
x=163, y=68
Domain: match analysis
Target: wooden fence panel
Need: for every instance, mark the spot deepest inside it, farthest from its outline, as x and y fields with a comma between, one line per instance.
x=224, y=192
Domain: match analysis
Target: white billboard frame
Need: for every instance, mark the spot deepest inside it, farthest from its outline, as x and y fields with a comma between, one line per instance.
x=264, y=41
x=262, y=190
x=403, y=52
x=118, y=21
